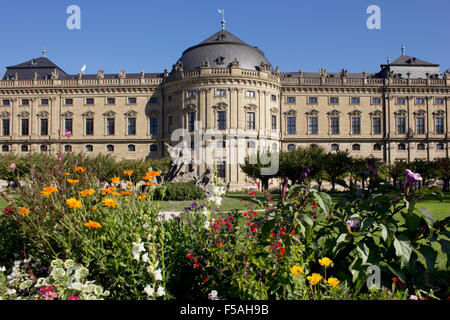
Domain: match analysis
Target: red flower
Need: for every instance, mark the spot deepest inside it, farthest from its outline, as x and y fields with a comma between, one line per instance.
x=293, y=232
x=254, y=230
x=400, y=284
x=255, y=214
x=395, y=279
x=189, y=256
x=206, y=279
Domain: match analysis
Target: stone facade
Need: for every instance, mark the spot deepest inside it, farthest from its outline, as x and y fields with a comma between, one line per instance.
x=132, y=115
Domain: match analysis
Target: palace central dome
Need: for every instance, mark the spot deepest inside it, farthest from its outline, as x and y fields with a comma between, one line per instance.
x=222, y=50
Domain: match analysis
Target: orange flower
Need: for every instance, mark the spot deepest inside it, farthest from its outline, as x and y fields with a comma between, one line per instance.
x=126, y=193
x=109, y=202
x=128, y=172
x=92, y=224
x=24, y=212
x=115, y=180
x=73, y=203
x=87, y=192
x=72, y=181
x=48, y=191
x=116, y=194
x=94, y=208
x=108, y=190
x=147, y=177
x=79, y=169
x=128, y=187
x=148, y=183
x=153, y=173
x=142, y=197
x=67, y=173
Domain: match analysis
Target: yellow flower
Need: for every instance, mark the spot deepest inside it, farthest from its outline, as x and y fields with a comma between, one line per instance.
x=334, y=282
x=73, y=203
x=72, y=181
x=24, y=212
x=79, y=169
x=48, y=191
x=325, y=261
x=94, y=208
x=108, y=190
x=109, y=202
x=115, y=180
x=142, y=197
x=297, y=270
x=314, y=278
x=128, y=187
x=87, y=192
x=128, y=172
x=92, y=224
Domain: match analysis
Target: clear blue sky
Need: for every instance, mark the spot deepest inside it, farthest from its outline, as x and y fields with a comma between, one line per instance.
x=149, y=35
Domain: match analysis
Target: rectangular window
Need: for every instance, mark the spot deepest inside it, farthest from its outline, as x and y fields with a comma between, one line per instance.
x=110, y=126
x=439, y=125
x=251, y=121
x=192, y=94
x=25, y=102
x=6, y=102
x=69, y=102
x=154, y=100
x=438, y=101
x=290, y=99
x=274, y=123
x=250, y=94
x=5, y=127
x=376, y=126
x=313, y=125
x=334, y=125
x=44, y=102
x=355, y=100
x=334, y=100
x=312, y=100
x=111, y=101
x=44, y=127
x=291, y=125
x=220, y=92
x=221, y=120
x=131, y=126
x=154, y=125
x=356, y=125
x=420, y=125
x=400, y=100
x=221, y=172
x=89, y=126
x=401, y=125
x=376, y=100
x=191, y=121
x=274, y=97
x=25, y=127
x=90, y=101
x=68, y=124
x=132, y=100
x=420, y=100
x=170, y=123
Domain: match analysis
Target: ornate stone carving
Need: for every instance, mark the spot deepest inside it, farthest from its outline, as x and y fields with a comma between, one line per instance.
x=205, y=63
x=35, y=76
x=5, y=115
x=88, y=114
x=323, y=72
x=355, y=113
x=43, y=114
x=251, y=107
x=376, y=113
x=24, y=115
x=122, y=74
x=54, y=74
x=67, y=114
x=401, y=112
x=420, y=113
x=190, y=108
x=344, y=73
x=220, y=106
x=274, y=110
x=334, y=113
x=130, y=114
x=235, y=63
x=439, y=113
x=312, y=113
x=109, y=114
x=220, y=60
x=290, y=113
x=100, y=74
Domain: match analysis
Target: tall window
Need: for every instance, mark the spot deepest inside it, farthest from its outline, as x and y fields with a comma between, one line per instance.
x=274, y=123
x=44, y=127
x=250, y=94
x=376, y=125
x=313, y=125
x=154, y=125
x=191, y=121
x=356, y=125
x=334, y=123
x=131, y=126
x=5, y=127
x=170, y=123
x=221, y=120
x=291, y=125
x=401, y=125
x=220, y=92
x=89, y=126
x=420, y=125
x=25, y=127
x=251, y=121
x=110, y=126
x=221, y=173
x=439, y=125
x=68, y=124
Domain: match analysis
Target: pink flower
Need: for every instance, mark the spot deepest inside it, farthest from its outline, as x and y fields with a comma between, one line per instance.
x=68, y=133
x=13, y=166
x=412, y=177
x=73, y=298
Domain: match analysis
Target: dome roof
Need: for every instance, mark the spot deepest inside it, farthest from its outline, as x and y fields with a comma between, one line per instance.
x=220, y=50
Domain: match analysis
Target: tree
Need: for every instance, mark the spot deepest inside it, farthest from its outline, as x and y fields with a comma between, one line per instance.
x=253, y=168
x=427, y=169
x=397, y=171
x=336, y=165
x=443, y=172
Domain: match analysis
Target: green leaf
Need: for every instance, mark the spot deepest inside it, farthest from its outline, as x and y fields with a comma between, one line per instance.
x=430, y=256
x=388, y=232
x=428, y=216
x=403, y=250
x=324, y=200
x=363, y=251
x=367, y=223
x=396, y=272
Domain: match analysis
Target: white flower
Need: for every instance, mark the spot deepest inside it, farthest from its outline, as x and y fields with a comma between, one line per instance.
x=205, y=211
x=160, y=292
x=158, y=275
x=3, y=269
x=149, y=290
x=219, y=190
x=207, y=225
x=136, y=254
x=145, y=257
x=139, y=246
x=10, y=291
x=213, y=295
x=217, y=200
x=413, y=297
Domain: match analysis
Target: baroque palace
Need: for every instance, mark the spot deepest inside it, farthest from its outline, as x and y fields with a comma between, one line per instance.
x=397, y=113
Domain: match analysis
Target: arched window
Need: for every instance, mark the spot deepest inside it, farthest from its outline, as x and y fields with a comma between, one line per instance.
x=401, y=146
x=313, y=145
x=334, y=147
x=110, y=148
x=5, y=148
x=356, y=147
x=89, y=148
x=131, y=148
x=153, y=148
x=44, y=148
x=24, y=148
x=68, y=148
x=421, y=146
x=440, y=146
x=377, y=147
x=291, y=147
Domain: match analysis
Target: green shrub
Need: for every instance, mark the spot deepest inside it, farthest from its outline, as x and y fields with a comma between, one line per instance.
x=179, y=191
